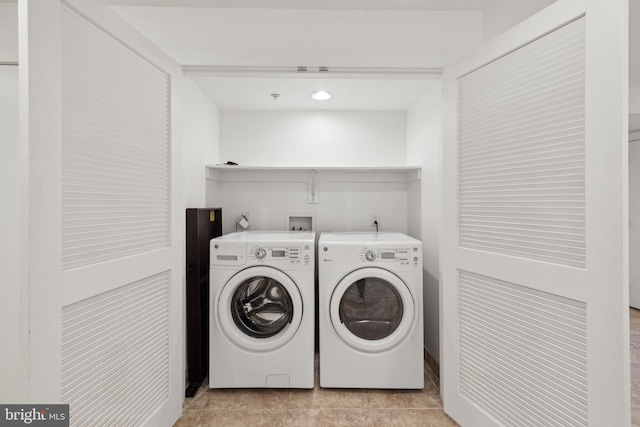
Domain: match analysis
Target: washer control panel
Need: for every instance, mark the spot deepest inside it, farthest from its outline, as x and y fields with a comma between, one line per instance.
x=295, y=256
x=399, y=256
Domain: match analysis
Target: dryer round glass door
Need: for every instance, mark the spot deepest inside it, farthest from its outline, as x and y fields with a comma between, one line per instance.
x=259, y=308
x=372, y=309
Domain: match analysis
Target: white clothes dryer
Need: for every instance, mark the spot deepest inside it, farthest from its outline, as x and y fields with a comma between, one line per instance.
x=262, y=293
x=370, y=303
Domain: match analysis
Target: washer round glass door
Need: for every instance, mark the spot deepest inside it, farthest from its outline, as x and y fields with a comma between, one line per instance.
x=259, y=308
x=372, y=309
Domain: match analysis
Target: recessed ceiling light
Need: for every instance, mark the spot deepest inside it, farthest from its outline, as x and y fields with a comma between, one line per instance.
x=321, y=95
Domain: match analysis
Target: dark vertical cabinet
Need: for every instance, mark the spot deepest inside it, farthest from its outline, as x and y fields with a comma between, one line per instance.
x=202, y=226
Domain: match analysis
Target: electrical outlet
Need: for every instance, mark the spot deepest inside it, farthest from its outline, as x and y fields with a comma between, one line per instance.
x=375, y=217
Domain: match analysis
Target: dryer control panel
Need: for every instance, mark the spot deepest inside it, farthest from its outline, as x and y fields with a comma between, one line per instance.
x=282, y=256
x=409, y=257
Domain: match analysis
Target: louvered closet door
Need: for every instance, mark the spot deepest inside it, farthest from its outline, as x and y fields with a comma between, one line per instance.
x=115, y=222
x=534, y=261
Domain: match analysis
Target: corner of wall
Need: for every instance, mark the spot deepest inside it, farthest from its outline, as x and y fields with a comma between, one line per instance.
x=424, y=148
x=201, y=142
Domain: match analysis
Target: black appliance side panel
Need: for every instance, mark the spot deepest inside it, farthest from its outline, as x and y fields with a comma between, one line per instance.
x=202, y=225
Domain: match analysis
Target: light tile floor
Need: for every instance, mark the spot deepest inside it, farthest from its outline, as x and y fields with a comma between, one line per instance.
x=317, y=407
x=354, y=407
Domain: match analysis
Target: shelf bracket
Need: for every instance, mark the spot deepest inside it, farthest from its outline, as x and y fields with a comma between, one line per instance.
x=313, y=188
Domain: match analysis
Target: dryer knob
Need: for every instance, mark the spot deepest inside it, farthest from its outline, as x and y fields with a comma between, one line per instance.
x=260, y=253
x=370, y=255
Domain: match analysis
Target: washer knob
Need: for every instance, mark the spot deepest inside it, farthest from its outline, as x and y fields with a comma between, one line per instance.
x=260, y=253
x=370, y=255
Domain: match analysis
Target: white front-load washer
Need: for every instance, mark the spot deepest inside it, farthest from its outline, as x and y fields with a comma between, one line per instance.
x=370, y=310
x=262, y=292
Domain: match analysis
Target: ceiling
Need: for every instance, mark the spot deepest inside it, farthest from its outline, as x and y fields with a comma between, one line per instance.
x=241, y=93
x=374, y=57
x=246, y=50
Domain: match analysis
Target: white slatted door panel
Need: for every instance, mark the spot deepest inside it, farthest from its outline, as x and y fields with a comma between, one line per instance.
x=533, y=245
x=521, y=192
x=522, y=151
x=116, y=148
x=523, y=353
x=120, y=345
x=115, y=354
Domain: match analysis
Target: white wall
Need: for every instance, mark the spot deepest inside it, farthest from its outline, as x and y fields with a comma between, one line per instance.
x=634, y=44
x=499, y=16
x=341, y=207
x=266, y=36
x=634, y=108
x=200, y=133
x=424, y=144
x=313, y=138
x=8, y=32
x=414, y=209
